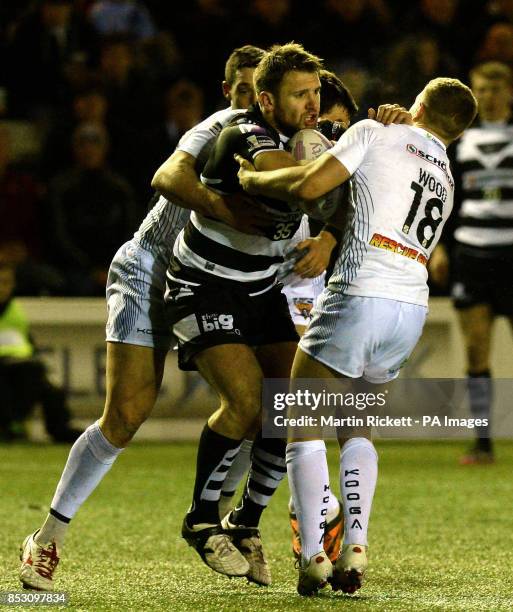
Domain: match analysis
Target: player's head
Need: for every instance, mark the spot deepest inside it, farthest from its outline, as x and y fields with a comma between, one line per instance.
x=238, y=86
x=288, y=87
x=337, y=103
x=446, y=106
x=492, y=84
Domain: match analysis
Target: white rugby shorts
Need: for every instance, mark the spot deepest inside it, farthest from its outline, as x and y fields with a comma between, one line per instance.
x=365, y=337
x=135, y=298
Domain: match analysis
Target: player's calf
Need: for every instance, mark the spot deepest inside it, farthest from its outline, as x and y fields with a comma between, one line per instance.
x=333, y=531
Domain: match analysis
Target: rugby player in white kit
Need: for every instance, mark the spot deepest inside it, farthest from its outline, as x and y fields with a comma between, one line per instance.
x=368, y=320
x=138, y=337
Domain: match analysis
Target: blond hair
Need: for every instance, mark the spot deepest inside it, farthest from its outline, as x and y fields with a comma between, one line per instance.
x=450, y=106
x=279, y=60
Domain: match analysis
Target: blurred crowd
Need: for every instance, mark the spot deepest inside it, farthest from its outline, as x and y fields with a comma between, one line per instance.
x=94, y=95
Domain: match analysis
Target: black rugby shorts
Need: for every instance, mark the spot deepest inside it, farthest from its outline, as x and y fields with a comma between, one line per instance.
x=210, y=315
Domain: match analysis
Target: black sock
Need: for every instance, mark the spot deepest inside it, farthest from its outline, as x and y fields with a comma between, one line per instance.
x=267, y=470
x=215, y=456
x=480, y=390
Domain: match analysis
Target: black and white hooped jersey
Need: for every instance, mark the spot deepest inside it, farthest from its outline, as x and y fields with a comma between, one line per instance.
x=484, y=164
x=207, y=248
x=159, y=229
x=401, y=194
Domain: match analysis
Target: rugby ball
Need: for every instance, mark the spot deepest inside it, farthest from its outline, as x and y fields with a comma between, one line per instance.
x=305, y=146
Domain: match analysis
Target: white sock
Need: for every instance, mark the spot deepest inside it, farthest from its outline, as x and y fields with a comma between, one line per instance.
x=358, y=476
x=307, y=469
x=90, y=458
x=333, y=507
x=53, y=530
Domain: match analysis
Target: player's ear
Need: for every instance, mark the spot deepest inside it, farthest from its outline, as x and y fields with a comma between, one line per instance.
x=266, y=100
x=227, y=88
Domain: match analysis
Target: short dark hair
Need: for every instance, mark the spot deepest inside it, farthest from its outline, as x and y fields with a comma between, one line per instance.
x=281, y=59
x=333, y=91
x=247, y=56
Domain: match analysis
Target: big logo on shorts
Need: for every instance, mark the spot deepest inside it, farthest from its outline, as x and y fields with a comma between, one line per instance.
x=212, y=322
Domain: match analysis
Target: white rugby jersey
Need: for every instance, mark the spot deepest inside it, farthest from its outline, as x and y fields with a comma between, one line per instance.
x=485, y=162
x=401, y=195
x=159, y=229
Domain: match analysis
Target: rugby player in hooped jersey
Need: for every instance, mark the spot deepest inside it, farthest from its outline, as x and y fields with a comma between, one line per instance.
x=482, y=256
x=230, y=317
x=380, y=276
x=337, y=105
x=137, y=336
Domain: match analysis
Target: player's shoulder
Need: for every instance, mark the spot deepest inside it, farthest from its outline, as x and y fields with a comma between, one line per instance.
x=252, y=130
x=366, y=131
x=218, y=120
x=366, y=126
x=252, y=122
x=369, y=124
x=389, y=135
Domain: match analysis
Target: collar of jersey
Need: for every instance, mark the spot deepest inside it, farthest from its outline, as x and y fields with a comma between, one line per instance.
x=429, y=136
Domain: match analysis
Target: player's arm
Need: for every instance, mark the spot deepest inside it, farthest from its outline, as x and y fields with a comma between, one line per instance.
x=306, y=183
x=177, y=181
x=274, y=160
x=282, y=178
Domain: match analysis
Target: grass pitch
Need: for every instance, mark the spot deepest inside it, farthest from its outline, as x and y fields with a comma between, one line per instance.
x=441, y=536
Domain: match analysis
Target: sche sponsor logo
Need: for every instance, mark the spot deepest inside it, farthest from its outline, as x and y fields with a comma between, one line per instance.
x=432, y=160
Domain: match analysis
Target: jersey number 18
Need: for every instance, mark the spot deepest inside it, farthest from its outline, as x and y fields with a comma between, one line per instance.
x=428, y=221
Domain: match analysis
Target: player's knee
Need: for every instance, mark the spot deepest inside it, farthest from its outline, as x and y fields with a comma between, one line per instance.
x=121, y=423
x=236, y=417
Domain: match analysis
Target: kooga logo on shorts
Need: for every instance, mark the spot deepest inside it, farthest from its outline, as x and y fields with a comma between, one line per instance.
x=431, y=159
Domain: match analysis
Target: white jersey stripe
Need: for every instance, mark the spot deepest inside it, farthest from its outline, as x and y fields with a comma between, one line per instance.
x=190, y=259
x=487, y=209
x=225, y=235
